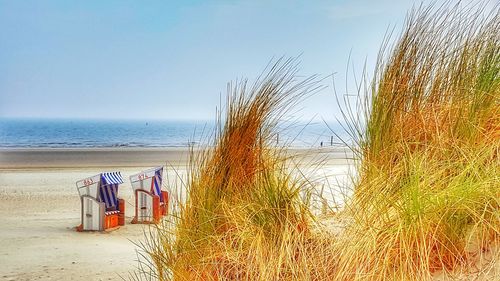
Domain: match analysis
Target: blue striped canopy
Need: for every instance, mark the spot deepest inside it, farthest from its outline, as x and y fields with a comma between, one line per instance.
x=111, y=178
x=108, y=190
x=156, y=183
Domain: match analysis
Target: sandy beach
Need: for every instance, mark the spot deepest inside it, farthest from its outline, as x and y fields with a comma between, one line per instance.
x=40, y=208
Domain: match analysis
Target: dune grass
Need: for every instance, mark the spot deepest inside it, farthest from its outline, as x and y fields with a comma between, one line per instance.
x=427, y=189
x=243, y=218
x=427, y=195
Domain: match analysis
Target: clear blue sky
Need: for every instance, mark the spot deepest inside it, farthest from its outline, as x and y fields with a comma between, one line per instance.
x=172, y=60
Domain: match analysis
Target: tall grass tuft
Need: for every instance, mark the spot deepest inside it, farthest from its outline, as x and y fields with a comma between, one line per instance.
x=427, y=190
x=243, y=218
x=427, y=194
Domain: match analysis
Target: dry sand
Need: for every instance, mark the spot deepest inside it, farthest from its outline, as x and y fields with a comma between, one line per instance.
x=38, y=212
x=39, y=208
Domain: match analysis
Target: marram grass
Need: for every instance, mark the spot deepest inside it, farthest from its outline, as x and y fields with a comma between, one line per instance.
x=427, y=195
x=427, y=190
x=243, y=218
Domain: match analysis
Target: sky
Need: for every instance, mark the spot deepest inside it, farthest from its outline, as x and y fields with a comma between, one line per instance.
x=173, y=59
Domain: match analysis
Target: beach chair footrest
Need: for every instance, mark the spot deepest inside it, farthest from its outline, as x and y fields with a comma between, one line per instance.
x=111, y=220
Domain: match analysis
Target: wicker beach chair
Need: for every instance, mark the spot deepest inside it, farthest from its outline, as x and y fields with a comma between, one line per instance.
x=101, y=209
x=151, y=203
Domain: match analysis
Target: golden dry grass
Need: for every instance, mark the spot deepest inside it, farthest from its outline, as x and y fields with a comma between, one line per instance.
x=427, y=195
x=427, y=190
x=243, y=218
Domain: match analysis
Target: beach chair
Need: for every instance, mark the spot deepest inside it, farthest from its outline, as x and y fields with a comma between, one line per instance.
x=101, y=209
x=151, y=203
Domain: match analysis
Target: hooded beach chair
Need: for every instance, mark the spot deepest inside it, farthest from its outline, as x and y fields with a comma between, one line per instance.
x=151, y=203
x=101, y=207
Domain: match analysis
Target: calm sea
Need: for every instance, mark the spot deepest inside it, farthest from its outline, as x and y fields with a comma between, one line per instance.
x=36, y=133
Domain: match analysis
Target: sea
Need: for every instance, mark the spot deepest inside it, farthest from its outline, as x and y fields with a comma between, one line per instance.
x=79, y=133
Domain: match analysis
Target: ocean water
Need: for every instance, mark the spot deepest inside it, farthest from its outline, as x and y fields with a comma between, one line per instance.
x=65, y=133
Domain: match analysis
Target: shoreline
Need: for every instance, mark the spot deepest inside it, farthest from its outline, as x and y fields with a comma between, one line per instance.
x=20, y=158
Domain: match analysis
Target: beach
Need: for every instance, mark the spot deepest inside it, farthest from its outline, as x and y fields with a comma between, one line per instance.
x=40, y=208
